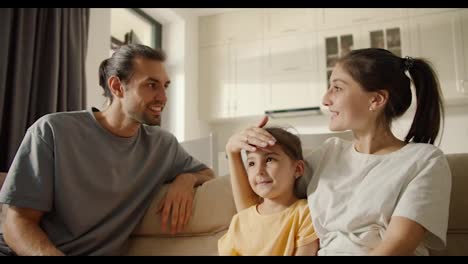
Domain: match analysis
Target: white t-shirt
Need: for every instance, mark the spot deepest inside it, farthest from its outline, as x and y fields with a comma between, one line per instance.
x=352, y=195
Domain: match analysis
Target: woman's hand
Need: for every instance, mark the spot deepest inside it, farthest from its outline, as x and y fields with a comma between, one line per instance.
x=250, y=139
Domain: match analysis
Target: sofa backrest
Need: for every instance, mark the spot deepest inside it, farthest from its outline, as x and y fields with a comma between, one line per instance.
x=212, y=210
x=457, y=234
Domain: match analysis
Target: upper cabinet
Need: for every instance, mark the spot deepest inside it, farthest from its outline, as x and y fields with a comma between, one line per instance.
x=231, y=27
x=248, y=93
x=216, y=81
x=447, y=51
x=424, y=11
x=231, y=80
x=288, y=21
x=462, y=84
x=392, y=36
x=274, y=59
x=344, y=17
x=291, y=72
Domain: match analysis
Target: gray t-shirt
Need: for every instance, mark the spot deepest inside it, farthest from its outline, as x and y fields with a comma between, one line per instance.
x=94, y=186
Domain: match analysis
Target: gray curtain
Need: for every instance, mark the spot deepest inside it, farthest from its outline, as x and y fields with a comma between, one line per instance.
x=42, y=69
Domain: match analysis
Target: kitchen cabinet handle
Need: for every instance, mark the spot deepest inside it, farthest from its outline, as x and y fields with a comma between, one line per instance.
x=290, y=30
x=359, y=20
x=290, y=68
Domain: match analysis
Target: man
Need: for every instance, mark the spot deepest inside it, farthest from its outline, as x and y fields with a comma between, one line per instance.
x=81, y=181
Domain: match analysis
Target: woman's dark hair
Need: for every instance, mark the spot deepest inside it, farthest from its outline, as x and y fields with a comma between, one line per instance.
x=290, y=143
x=120, y=64
x=379, y=69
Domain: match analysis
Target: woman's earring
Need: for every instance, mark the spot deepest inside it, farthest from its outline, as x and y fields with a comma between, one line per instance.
x=371, y=109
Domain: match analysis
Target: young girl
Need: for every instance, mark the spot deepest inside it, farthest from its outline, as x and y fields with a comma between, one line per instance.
x=279, y=223
x=377, y=195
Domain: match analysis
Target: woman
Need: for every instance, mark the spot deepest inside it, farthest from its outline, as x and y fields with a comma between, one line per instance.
x=377, y=195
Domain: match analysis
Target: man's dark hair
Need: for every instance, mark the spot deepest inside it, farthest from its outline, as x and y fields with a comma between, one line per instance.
x=121, y=64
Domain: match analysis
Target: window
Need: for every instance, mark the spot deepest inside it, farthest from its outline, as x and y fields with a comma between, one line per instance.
x=131, y=25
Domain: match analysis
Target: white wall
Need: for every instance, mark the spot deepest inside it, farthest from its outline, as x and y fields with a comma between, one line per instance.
x=98, y=50
x=454, y=137
x=180, y=42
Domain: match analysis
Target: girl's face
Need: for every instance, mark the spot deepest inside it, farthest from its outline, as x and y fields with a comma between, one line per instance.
x=348, y=102
x=272, y=173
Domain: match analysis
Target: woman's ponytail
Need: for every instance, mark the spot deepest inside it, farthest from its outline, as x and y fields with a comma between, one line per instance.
x=429, y=102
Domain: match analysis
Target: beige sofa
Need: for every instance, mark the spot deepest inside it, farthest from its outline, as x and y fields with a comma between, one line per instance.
x=214, y=207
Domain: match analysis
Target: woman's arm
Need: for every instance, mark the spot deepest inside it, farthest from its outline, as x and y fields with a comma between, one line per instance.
x=401, y=238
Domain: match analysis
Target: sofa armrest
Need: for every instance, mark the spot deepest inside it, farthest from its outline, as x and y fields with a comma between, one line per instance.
x=212, y=211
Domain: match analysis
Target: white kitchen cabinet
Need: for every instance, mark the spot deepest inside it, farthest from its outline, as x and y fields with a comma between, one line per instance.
x=462, y=82
x=216, y=82
x=344, y=17
x=248, y=90
x=231, y=27
x=295, y=90
x=292, y=72
x=231, y=80
x=290, y=54
x=412, y=12
x=288, y=21
x=332, y=45
x=392, y=35
x=438, y=37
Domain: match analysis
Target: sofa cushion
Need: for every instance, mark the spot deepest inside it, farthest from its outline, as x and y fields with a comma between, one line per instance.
x=213, y=208
x=173, y=246
x=458, y=214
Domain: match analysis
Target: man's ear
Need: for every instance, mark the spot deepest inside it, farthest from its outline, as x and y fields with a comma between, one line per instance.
x=378, y=100
x=115, y=86
x=299, y=169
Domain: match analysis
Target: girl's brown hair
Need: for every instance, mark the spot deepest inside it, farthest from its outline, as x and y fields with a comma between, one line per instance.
x=290, y=143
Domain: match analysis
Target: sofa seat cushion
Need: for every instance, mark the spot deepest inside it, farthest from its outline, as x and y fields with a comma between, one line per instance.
x=212, y=210
x=174, y=246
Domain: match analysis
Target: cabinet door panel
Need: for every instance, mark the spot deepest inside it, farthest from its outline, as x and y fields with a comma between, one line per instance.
x=434, y=37
x=249, y=85
x=426, y=11
x=392, y=36
x=463, y=81
x=338, y=17
x=332, y=45
x=231, y=27
x=293, y=91
x=215, y=82
x=281, y=22
x=290, y=54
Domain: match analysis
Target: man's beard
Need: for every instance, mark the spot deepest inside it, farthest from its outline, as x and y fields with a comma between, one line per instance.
x=147, y=119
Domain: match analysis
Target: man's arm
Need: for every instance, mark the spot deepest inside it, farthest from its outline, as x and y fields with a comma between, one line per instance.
x=401, y=238
x=179, y=198
x=23, y=235
x=201, y=176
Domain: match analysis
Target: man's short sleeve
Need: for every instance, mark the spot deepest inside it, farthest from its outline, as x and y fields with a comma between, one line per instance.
x=29, y=183
x=184, y=162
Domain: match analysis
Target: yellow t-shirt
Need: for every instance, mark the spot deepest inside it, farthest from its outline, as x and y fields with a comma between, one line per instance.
x=275, y=234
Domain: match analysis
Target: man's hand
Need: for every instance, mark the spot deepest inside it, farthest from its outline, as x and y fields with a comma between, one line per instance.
x=178, y=202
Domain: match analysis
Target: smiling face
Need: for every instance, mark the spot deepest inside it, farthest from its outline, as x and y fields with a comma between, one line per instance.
x=348, y=102
x=272, y=173
x=145, y=93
